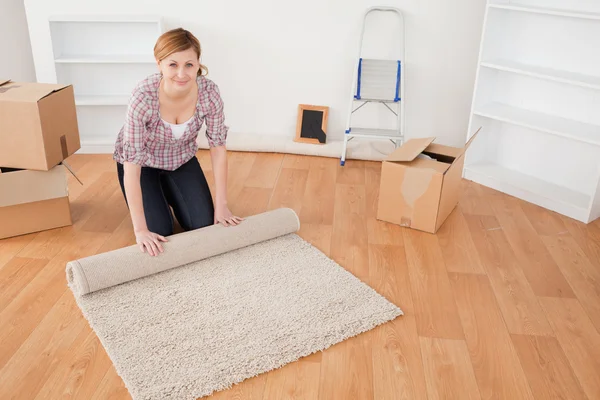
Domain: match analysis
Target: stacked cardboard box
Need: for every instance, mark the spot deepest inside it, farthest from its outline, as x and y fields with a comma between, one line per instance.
x=38, y=131
x=420, y=184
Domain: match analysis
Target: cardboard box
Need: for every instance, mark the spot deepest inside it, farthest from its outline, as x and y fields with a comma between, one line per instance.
x=32, y=201
x=38, y=125
x=418, y=192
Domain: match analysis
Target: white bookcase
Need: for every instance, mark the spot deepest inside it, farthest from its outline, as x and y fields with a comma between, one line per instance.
x=537, y=98
x=103, y=57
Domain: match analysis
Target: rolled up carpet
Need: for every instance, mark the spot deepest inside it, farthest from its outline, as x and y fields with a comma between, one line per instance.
x=112, y=268
x=220, y=305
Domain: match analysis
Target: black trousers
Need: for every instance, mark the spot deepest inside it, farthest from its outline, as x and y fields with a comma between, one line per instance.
x=184, y=189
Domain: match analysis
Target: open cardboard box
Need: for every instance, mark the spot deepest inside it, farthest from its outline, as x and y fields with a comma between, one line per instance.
x=420, y=184
x=32, y=201
x=38, y=124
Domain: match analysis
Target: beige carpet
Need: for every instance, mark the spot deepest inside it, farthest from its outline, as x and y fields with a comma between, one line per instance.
x=254, y=298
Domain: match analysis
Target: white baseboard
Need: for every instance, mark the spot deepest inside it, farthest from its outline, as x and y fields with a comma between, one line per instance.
x=358, y=148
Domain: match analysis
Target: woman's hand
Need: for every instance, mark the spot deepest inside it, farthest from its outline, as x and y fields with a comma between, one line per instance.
x=225, y=217
x=150, y=241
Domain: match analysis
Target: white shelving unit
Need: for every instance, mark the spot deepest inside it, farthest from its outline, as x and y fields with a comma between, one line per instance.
x=103, y=57
x=537, y=97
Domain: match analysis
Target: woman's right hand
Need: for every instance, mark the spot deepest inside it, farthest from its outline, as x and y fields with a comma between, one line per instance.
x=150, y=241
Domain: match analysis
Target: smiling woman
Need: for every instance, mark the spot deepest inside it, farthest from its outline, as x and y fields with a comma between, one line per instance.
x=156, y=148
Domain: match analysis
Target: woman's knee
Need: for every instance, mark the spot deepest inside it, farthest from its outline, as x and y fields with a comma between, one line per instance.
x=161, y=226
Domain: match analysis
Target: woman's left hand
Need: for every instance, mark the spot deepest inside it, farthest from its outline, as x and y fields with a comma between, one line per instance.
x=225, y=217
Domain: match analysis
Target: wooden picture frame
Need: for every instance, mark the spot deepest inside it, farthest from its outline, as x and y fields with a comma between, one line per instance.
x=311, y=126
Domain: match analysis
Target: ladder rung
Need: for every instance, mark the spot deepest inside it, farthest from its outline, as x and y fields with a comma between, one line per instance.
x=378, y=79
x=372, y=132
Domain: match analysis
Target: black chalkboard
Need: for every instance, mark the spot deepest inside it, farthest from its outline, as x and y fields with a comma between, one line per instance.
x=311, y=125
x=312, y=122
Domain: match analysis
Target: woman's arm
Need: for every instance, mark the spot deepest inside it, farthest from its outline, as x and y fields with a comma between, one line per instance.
x=133, y=189
x=134, y=154
x=218, y=156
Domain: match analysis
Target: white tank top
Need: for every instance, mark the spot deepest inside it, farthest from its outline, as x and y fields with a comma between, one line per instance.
x=178, y=129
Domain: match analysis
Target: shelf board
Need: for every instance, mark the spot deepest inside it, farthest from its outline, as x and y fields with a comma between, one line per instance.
x=104, y=18
x=548, y=11
x=106, y=59
x=531, y=189
x=583, y=132
x=101, y=100
x=573, y=78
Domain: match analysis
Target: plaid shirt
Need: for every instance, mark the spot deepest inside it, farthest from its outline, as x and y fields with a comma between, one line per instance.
x=145, y=140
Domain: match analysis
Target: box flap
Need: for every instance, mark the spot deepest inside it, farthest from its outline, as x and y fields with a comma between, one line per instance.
x=3, y=81
x=471, y=139
x=410, y=150
x=27, y=91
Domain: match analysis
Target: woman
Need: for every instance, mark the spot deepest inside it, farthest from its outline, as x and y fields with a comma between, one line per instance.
x=156, y=148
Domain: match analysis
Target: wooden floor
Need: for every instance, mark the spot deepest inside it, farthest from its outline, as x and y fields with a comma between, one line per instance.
x=504, y=302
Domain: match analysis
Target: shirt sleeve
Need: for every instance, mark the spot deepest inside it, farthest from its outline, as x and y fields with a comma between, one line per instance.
x=216, y=130
x=134, y=129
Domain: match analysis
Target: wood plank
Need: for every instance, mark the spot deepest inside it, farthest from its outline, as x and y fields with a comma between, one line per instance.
x=347, y=369
x=16, y=275
x=295, y=380
x=80, y=371
x=382, y=232
x=297, y=161
x=472, y=202
x=265, y=171
x=448, y=370
x=460, y=254
x=33, y=303
x=289, y=190
x=108, y=215
x=250, y=201
x=349, y=232
x=22, y=315
x=378, y=256
x=94, y=199
x=389, y=275
x=239, y=167
x=9, y=247
x=516, y=299
x=317, y=235
x=319, y=196
x=42, y=351
x=435, y=308
x=251, y=389
x=111, y=387
x=548, y=371
x=372, y=184
x=91, y=168
x=545, y=222
x=351, y=174
x=540, y=269
x=579, y=340
x=397, y=364
x=585, y=238
x=583, y=276
x=122, y=237
x=495, y=362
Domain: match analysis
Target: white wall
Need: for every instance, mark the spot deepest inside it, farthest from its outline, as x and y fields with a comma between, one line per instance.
x=15, y=50
x=269, y=56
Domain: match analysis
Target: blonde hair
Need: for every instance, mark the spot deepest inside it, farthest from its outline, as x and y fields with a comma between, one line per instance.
x=177, y=40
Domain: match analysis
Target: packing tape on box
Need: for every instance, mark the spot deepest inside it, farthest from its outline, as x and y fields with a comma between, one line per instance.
x=115, y=267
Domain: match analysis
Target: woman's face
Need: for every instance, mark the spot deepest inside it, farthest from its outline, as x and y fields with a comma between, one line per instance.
x=180, y=69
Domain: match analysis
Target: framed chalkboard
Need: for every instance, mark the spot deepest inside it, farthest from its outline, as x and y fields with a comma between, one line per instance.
x=312, y=124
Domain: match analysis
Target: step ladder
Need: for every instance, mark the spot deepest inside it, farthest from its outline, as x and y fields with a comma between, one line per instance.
x=377, y=81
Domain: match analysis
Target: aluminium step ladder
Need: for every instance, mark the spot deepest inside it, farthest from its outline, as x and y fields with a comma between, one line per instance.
x=377, y=81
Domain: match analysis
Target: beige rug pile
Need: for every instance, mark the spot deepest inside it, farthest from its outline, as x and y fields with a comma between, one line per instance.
x=220, y=305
